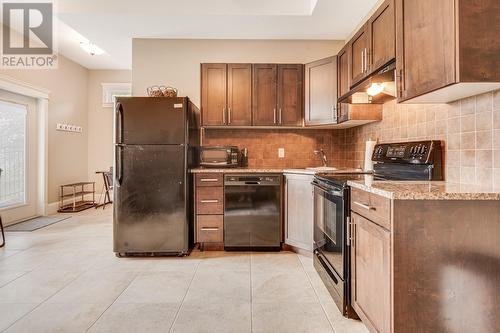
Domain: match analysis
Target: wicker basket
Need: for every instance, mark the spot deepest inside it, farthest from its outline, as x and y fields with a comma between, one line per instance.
x=161, y=91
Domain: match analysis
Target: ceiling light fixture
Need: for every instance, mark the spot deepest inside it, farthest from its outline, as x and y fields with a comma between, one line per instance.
x=91, y=48
x=375, y=89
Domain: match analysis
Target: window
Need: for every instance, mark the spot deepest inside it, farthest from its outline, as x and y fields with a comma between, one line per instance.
x=111, y=90
x=13, y=123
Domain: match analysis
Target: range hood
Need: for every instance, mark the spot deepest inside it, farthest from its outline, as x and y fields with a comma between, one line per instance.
x=377, y=88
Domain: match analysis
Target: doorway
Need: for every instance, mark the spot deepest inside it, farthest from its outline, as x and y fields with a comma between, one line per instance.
x=18, y=157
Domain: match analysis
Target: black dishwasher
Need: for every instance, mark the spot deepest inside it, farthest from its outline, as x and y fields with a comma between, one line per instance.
x=252, y=212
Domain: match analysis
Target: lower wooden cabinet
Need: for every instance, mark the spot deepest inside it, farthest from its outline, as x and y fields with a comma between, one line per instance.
x=371, y=273
x=209, y=208
x=299, y=211
x=210, y=228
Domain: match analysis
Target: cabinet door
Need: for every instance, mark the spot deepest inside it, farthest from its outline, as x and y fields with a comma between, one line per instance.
x=239, y=94
x=425, y=34
x=382, y=26
x=264, y=104
x=358, y=55
x=299, y=211
x=343, y=71
x=290, y=94
x=213, y=94
x=371, y=273
x=321, y=92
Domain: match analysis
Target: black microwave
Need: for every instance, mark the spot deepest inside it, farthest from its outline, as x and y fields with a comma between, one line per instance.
x=219, y=156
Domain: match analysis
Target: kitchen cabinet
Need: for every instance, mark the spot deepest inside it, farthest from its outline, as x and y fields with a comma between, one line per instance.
x=290, y=94
x=209, y=208
x=321, y=92
x=265, y=93
x=299, y=211
x=226, y=94
x=382, y=36
x=277, y=94
x=371, y=273
x=359, y=55
x=446, y=50
x=213, y=94
x=343, y=83
x=239, y=94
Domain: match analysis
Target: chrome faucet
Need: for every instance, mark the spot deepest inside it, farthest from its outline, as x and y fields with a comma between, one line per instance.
x=323, y=155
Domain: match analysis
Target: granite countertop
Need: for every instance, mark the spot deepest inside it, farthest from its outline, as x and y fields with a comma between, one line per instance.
x=425, y=190
x=235, y=170
x=269, y=170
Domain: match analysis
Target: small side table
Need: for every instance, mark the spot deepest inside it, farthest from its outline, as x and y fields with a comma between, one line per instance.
x=78, y=193
x=107, y=178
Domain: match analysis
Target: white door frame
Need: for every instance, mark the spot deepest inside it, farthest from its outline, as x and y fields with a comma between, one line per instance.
x=42, y=111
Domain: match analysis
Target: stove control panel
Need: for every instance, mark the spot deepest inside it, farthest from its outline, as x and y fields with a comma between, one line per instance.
x=420, y=152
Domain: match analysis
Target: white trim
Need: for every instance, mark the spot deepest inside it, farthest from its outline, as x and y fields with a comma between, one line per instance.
x=109, y=90
x=19, y=87
x=22, y=88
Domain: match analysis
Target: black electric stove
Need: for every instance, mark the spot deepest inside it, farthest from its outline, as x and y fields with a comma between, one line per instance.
x=407, y=161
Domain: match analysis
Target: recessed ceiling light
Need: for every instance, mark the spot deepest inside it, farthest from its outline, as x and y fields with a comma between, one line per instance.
x=91, y=49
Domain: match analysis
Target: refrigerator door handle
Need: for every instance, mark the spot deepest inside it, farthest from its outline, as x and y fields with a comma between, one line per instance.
x=119, y=166
x=119, y=123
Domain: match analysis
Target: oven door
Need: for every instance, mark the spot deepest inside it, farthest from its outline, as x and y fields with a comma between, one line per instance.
x=329, y=226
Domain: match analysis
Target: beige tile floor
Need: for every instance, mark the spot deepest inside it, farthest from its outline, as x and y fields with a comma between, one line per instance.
x=65, y=278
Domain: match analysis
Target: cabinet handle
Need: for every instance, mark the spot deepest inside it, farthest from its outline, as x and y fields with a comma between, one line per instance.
x=209, y=229
x=274, y=111
x=229, y=115
x=280, y=115
x=204, y=180
x=362, y=61
x=210, y=201
x=366, y=60
x=367, y=207
x=224, y=115
x=348, y=236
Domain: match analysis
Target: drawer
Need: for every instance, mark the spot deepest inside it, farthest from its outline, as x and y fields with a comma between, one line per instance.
x=209, y=179
x=210, y=200
x=210, y=228
x=372, y=206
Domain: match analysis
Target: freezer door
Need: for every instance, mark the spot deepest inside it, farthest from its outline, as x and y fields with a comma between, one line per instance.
x=150, y=199
x=150, y=120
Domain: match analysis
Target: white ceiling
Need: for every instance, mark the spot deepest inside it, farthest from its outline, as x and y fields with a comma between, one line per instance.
x=111, y=24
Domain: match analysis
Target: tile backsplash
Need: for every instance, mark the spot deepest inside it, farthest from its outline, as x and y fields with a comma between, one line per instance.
x=299, y=145
x=469, y=130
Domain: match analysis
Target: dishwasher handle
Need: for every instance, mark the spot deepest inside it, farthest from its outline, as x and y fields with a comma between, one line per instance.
x=252, y=183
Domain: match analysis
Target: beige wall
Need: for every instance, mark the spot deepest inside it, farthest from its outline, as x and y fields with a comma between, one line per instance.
x=177, y=62
x=469, y=129
x=100, y=122
x=67, y=152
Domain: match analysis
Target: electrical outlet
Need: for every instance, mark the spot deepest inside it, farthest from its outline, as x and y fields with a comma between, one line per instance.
x=281, y=152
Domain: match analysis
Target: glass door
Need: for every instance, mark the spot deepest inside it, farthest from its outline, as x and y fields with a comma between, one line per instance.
x=18, y=157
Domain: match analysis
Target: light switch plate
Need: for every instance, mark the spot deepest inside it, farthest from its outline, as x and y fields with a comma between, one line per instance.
x=281, y=152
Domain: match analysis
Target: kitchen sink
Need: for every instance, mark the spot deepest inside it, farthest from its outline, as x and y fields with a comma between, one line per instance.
x=322, y=169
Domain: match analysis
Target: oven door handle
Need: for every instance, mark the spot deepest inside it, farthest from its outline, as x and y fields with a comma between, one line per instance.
x=329, y=191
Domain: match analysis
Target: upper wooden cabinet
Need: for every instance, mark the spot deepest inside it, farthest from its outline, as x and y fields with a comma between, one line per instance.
x=343, y=80
x=290, y=94
x=382, y=36
x=239, y=94
x=213, y=94
x=359, y=55
x=226, y=94
x=277, y=94
x=374, y=45
x=265, y=94
x=321, y=92
x=446, y=50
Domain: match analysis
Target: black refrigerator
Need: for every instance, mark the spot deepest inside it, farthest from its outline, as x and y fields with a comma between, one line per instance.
x=156, y=142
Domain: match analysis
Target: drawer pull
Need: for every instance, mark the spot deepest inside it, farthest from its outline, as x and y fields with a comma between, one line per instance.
x=209, y=229
x=210, y=201
x=364, y=206
x=206, y=180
